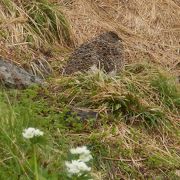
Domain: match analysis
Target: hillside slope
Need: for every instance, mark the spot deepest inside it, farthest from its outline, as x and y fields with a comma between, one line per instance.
x=134, y=130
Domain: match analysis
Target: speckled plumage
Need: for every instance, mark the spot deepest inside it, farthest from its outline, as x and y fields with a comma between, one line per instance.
x=103, y=51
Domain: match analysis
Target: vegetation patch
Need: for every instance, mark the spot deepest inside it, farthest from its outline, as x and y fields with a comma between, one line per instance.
x=137, y=129
x=121, y=139
x=34, y=23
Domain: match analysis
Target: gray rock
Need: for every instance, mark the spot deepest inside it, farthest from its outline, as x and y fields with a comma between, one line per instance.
x=13, y=76
x=82, y=113
x=103, y=52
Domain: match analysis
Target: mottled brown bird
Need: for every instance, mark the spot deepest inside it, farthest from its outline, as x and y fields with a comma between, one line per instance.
x=103, y=51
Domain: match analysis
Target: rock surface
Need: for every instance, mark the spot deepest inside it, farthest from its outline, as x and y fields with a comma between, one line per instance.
x=82, y=113
x=104, y=52
x=13, y=76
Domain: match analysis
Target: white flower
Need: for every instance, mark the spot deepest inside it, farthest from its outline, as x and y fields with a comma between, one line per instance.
x=72, y=168
x=31, y=132
x=83, y=152
x=37, y=132
x=76, y=167
x=85, y=157
x=80, y=150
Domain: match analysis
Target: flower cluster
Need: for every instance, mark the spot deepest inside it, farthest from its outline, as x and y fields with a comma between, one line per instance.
x=31, y=133
x=78, y=167
x=75, y=167
x=83, y=152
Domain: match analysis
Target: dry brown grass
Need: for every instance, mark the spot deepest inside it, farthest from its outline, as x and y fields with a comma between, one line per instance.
x=29, y=30
x=150, y=28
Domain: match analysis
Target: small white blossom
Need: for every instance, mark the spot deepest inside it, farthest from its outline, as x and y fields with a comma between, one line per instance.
x=83, y=152
x=80, y=150
x=31, y=132
x=85, y=157
x=76, y=167
x=38, y=133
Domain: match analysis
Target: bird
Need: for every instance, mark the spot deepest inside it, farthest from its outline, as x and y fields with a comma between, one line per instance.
x=104, y=52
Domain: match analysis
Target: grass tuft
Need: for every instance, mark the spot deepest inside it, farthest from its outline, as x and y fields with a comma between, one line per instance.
x=34, y=23
x=133, y=94
x=167, y=88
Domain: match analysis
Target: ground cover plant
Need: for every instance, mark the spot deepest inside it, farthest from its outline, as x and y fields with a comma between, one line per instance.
x=135, y=135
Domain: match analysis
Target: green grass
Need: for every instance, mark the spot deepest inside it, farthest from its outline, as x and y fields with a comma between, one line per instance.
x=167, y=90
x=136, y=135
